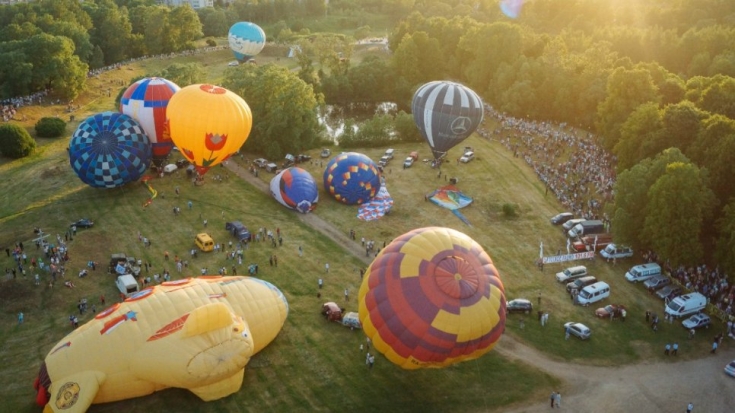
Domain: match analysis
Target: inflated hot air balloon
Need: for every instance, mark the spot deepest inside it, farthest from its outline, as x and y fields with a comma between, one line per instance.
x=432, y=298
x=446, y=113
x=109, y=149
x=208, y=123
x=194, y=333
x=246, y=40
x=146, y=101
x=296, y=189
x=352, y=178
x=511, y=8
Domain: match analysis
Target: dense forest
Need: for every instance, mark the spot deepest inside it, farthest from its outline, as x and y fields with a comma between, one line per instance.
x=654, y=79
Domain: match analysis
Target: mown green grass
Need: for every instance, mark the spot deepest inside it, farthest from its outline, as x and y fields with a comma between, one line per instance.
x=312, y=365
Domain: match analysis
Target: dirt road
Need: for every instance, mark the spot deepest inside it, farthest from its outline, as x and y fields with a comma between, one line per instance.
x=645, y=387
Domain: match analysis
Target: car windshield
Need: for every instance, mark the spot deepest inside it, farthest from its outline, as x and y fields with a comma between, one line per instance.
x=584, y=294
x=567, y=273
x=674, y=306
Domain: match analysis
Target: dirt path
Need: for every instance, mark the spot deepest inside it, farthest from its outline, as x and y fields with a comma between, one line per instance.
x=645, y=387
x=311, y=220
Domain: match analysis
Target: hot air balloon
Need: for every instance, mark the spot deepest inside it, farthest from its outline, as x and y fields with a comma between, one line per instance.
x=109, y=149
x=246, y=40
x=446, y=113
x=352, y=178
x=511, y=8
x=193, y=333
x=208, y=123
x=432, y=298
x=296, y=189
x=377, y=207
x=146, y=101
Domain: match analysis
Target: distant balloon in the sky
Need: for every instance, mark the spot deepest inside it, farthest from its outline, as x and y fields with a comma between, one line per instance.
x=511, y=8
x=109, y=149
x=146, y=101
x=246, y=40
x=446, y=113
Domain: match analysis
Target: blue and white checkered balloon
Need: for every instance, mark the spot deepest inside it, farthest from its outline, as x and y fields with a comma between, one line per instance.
x=109, y=149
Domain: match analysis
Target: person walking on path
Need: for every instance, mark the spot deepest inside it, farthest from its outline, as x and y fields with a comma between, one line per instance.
x=552, y=398
x=690, y=407
x=714, y=347
x=557, y=399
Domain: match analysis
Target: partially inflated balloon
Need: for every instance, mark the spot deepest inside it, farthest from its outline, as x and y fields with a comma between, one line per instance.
x=446, y=113
x=295, y=188
x=109, y=149
x=208, y=123
x=432, y=298
x=352, y=178
x=246, y=40
x=146, y=101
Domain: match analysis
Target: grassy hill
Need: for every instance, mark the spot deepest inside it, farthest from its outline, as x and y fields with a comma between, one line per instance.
x=312, y=365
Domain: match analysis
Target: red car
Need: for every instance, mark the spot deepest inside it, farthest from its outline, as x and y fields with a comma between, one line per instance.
x=613, y=309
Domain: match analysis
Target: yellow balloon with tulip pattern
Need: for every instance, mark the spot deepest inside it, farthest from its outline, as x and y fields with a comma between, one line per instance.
x=208, y=124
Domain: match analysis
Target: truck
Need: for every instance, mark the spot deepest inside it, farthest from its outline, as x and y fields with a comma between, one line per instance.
x=589, y=227
x=122, y=264
x=332, y=312
x=238, y=230
x=127, y=284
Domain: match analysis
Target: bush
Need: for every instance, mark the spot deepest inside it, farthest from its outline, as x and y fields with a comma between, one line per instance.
x=510, y=210
x=15, y=141
x=50, y=128
x=211, y=43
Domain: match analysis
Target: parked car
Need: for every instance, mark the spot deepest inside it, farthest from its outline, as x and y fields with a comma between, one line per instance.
x=302, y=158
x=468, y=156
x=614, y=309
x=571, y=223
x=260, y=162
x=616, y=251
x=730, y=369
x=677, y=291
x=699, y=320
x=325, y=153
x=592, y=242
x=667, y=291
x=332, y=312
x=408, y=162
x=233, y=63
x=571, y=273
x=238, y=230
x=578, y=329
x=654, y=283
x=519, y=305
x=383, y=161
x=82, y=223
x=271, y=167
x=182, y=163
x=561, y=218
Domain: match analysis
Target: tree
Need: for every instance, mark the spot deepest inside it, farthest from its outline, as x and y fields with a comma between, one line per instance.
x=715, y=150
x=15, y=141
x=626, y=90
x=639, y=135
x=185, y=74
x=111, y=30
x=50, y=128
x=215, y=23
x=82, y=45
x=487, y=48
x=406, y=128
x=682, y=123
x=726, y=239
x=720, y=97
x=284, y=108
x=679, y=203
x=184, y=21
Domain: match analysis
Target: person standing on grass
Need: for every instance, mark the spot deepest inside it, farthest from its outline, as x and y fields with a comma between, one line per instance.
x=326, y=267
x=675, y=349
x=321, y=283
x=690, y=407
x=20, y=318
x=557, y=399
x=552, y=398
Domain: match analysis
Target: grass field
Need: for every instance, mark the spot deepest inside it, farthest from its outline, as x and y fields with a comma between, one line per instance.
x=311, y=366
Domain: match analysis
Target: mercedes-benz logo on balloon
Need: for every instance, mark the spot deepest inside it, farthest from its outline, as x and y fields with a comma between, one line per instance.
x=460, y=125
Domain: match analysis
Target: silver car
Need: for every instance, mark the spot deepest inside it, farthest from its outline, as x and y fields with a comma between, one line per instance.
x=578, y=329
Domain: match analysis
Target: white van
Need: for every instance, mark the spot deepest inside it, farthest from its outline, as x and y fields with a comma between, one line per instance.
x=571, y=273
x=593, y=293
x=643, y=272
x=127, y=284
x=686, y=304
x=389, y=154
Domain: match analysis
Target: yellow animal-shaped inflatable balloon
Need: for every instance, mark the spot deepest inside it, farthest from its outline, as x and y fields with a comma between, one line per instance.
x=195, y=333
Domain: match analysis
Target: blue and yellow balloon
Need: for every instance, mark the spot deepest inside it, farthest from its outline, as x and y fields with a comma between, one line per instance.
x=246, y=40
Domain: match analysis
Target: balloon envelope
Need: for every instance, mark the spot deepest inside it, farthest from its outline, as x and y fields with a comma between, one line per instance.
x=377, y=207
x=352, y=178
x=146, y=101
x=296, y=189
x=208, y=123
x=446, y=113
x=246, y=40
x=432, y=298
x=109, y=149
x=511, y=8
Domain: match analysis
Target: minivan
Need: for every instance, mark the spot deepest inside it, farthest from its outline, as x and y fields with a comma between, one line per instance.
x=580, y=283
x=389, y=153
x=593, y=293
x=643, y=272
x=686, y=304
x=204, y=242
x=571, y=273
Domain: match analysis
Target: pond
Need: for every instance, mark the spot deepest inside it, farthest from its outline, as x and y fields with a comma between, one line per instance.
x=333, y=116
